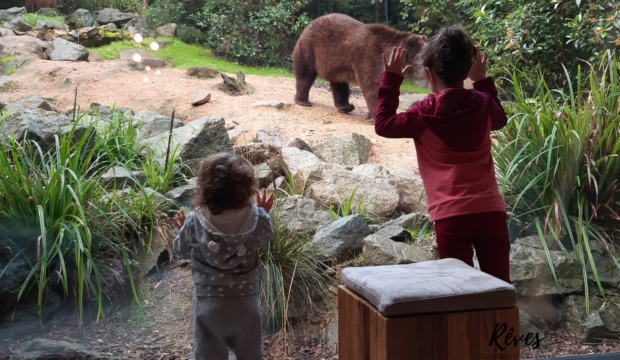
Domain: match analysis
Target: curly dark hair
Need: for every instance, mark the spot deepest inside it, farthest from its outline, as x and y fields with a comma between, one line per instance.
x=225, y=181
x=450, y=54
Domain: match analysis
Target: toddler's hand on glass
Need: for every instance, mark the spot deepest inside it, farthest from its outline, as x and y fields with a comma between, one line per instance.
x=395, y=63
x=264, y=202
x=179, y=220
x=479, y=67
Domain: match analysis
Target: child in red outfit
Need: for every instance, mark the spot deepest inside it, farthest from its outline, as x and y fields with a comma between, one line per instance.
x=451, y=130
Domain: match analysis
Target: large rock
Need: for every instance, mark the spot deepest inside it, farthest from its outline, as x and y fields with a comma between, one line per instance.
x=351, y=149
x=11, y=282
x=93, y=36
x=530, y=325
x=294, y=159
x=5, y=82
x=271, y=137
x=79, y=19
x=40, y=126
x=12, y=13
x=235, y=133
x=6, y=32
x=329, y=183
x=47, y=349
x=182, y=195
x=196, y=141
x=201, y=72
x=342, y=238
x=153, y=124
x=63, y=50
x=168, y=30
x=119, y=177
x=30, y=103
x=18, y=24
x=137, y=25
x=301, y=213
x=380, y=250
x=601, y=323
x=22, y=47
x=49, y=25
x=407, y=101
x=531, y=274
x=115, y=16
x=606, y=269
x=412, y=197
x=257, y=153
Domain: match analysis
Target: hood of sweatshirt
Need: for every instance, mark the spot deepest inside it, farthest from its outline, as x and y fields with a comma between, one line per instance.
x=457, y=117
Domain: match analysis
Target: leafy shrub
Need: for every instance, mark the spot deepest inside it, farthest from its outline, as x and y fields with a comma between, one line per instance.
x=191, y=35
x=557, y=159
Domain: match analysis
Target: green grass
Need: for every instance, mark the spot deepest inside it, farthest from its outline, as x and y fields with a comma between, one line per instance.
x=10, y=71
x=7, y=60
x=184, y=56
x=31, y=18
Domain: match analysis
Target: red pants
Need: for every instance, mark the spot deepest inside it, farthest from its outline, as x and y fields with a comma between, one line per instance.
x=487, y=232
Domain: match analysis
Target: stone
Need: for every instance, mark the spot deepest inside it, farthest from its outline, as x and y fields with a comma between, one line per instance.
x=18, y=24
x=201, y=72
x=152, y=124
x=263, y=175
x=294, y=159
x=279, y=105
x=235, y=133
x=372, y=170
x=351, y=149
x=41, y=126
x=128, y=54
x=236, y=86
x=182, y=195
x=24, y=318
x=531, y=275
x=138, y=25
x=606, y=269
x=41, y=348
x=329, y=183
x=168, y=30
x=278, y=184
x=599, y=324
x=530, y=325
x=342, y=238
x=109, y=27
x=79, y=19
x=270, y=136
x=5, y=82
x=30, y=103
x=151, y=63
x=115, y=16
x=201, y=98
x=300, y=144
x=62, y=50
x=394, y=232
x=380, y=250
x=257, y=153
x=197, y=140
x=407, y=101
x=12, y=280
x=413, y=221
x=6, y=32
x=119, y=177
x=12, y=13
x=49, y=25
x=22, y=47
x=412, y=197
x=331, y=336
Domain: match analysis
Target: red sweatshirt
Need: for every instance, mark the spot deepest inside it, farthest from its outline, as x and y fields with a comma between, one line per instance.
x=451, y=131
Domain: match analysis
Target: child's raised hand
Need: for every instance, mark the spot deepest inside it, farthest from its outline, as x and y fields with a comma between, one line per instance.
x=479, y=67
x=395, y=63
x=264, y=202
x=179, y=220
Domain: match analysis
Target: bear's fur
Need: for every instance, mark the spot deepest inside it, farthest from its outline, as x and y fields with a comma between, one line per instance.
x=341, y=49
x=32, y=6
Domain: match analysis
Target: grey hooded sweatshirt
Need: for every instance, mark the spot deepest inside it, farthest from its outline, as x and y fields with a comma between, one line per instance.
x=224, y=265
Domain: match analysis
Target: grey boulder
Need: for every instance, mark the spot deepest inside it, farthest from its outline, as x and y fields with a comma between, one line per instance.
x=601, y=323
x=301, y=213
x=351, y=149
x=119, y=177
x=380, y=250
x=22, y=47
x=343, y=238
x=18, y=24
x=80, y=18
x=63, y=50
x=152, y=124
x=182, y=195
x=10, y=14
x=115, y=16
x=30, y=103
x=293, y=159
x=168, y=30
x=271, y=137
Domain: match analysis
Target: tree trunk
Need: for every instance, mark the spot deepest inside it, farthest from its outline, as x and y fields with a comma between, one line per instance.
x=379, y=12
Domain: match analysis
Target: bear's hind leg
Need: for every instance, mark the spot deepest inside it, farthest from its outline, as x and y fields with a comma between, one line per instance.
x=303, y=83
x=340, y=91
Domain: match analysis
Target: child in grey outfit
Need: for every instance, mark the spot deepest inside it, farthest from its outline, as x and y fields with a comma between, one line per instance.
x=221, y=237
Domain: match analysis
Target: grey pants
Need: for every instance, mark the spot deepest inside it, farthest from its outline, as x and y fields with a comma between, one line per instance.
x=222, y=323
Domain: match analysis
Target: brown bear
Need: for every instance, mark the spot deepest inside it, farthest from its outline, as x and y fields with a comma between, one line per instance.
x=341, y=49
x=33, y=6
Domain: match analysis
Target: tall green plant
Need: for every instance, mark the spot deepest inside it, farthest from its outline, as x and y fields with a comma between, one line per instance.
x=557, y=159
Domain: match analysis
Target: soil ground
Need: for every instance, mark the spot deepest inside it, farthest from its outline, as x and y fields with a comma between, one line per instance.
x=107, y=82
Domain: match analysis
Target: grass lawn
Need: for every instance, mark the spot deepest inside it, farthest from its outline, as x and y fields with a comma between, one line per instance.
x=184, y=56
x=31, y=18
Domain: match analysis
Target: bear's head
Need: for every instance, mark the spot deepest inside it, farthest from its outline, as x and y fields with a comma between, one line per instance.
x=414, y=48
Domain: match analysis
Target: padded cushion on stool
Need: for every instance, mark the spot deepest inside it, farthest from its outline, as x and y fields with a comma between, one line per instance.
x=429, y=287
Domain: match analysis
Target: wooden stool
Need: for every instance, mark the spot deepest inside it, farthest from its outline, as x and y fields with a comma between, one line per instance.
x=433, y=310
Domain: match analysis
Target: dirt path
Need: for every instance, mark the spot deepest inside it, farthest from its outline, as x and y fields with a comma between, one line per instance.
x=113, y=81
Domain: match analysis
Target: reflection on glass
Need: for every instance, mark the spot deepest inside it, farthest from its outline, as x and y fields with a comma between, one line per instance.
x=137, y=58
x=154, y=46
x=137, y=38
